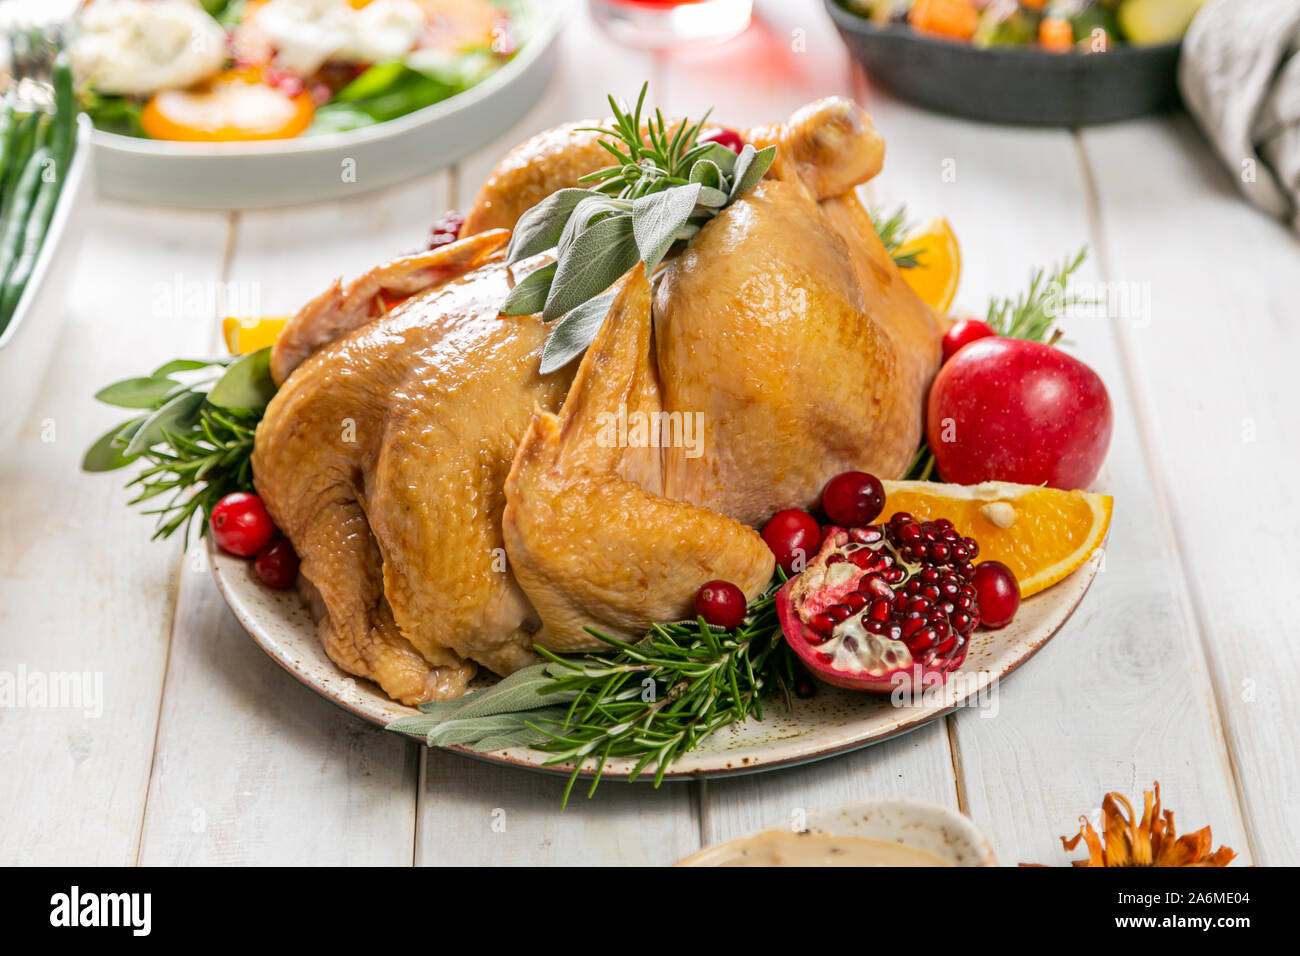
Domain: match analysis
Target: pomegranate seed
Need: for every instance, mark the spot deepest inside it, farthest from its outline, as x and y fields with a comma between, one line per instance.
x=839, y=612
x=721, y=604
x=447, y=229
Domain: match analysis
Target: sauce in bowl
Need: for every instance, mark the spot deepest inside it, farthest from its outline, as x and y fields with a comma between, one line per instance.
x=790, y=848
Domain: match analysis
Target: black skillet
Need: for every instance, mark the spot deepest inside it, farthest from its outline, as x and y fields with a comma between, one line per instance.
x=1021, y=85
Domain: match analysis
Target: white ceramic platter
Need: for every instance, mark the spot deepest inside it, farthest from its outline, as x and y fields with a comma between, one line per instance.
x=831, y=722
x=336, y=165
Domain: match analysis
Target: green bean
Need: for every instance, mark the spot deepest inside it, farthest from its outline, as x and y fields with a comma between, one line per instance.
x=18, y=225
x=6, y=124
x=24, y=141
x=63, y=128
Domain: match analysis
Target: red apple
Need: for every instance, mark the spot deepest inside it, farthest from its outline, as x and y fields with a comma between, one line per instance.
x=1013, y=410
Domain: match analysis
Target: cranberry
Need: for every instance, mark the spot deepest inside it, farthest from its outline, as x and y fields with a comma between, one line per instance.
x=447, y=229
x=998, y=594
x=721, y=604
x=724, y=137
x=853, y=498
x=277, y=564
x=240, y=524
x=794, y=537
x=962, y=333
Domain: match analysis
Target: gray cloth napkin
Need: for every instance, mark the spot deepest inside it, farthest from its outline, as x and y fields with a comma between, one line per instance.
x=1240, y=77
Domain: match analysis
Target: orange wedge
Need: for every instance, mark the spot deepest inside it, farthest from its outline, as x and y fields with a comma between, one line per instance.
x=938, y=270
x=1041, y=534
x=244, y=335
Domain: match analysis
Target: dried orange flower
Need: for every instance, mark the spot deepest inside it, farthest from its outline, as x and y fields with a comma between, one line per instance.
x=1152, y=841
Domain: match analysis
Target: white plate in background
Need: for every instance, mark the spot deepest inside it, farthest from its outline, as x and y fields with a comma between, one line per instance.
x=334, y=165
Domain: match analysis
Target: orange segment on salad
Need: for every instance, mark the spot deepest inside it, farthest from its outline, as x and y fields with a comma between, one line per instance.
x=1041, y=534
x=244, y=335
x=235, y=105
x=950, y=18
x=938, y=264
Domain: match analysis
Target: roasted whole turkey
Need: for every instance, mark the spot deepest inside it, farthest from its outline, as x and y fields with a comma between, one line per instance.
x=453, y=507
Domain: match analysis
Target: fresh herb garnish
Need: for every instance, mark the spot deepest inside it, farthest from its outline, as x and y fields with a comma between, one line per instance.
x=893, y=231
x=652, y=701
x=1032, y=315
x=195, y=437
x=664, y=186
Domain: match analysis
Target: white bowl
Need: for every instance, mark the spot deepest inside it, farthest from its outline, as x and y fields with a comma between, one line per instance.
x=334, y=165
x=923, y=826
x=28, y=341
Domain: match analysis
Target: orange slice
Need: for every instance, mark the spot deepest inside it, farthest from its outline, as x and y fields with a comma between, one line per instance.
x=244, y=335
x=938, y=270
x=1041, y=534
x=234, y=105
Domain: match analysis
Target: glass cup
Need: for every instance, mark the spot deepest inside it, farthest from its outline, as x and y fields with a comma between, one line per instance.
x=658, y=24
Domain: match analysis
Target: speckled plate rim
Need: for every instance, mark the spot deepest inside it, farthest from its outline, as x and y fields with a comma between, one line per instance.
x=280, y=624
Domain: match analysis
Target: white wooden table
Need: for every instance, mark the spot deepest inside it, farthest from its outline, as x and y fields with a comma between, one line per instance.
x=1180, y=666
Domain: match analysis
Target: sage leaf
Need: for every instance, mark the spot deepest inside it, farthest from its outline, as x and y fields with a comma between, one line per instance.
x=584, y=214
x=517, y=692
x=594, y=261
x=247, y=384
x=539, y=229
x=474, y=730
x=656, y=219
x=750, y=168
x=575, y=332
x=712, y=198
x=706, y=173
x=106, y=453
x=529, y=295
x=174, y=417
x=147, y=392
x=184, y=365
x=715, y=153
x=417, y=724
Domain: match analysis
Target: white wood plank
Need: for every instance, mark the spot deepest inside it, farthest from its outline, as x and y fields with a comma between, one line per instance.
x=82, y=588
x=916, y=766
x=1121, y=697
x=790, y=56
x=486, y=815
x=281, y=776
x=252, y=768
x=1220, y=404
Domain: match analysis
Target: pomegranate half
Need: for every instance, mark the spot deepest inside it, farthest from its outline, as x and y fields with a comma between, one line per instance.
x=883, y=605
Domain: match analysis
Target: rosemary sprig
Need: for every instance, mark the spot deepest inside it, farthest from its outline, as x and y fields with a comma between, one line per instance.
x=195, y=437
x=663, y=187
x=1032, y=315
x=661, y=697
x=893, y=230
x=652, y=700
